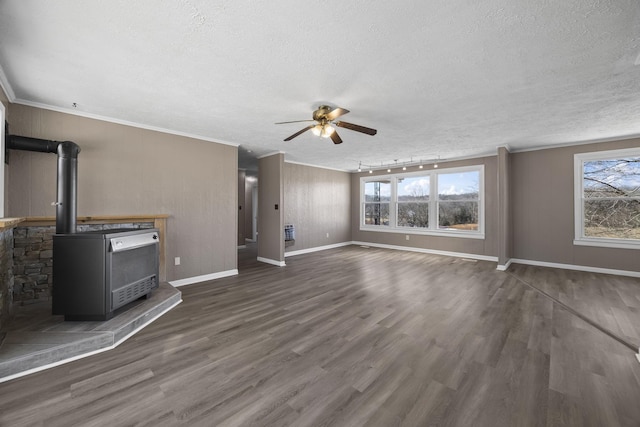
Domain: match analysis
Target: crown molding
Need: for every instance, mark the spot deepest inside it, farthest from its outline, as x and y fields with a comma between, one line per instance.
x=575, y=143
x=270, y=153
x=6, y=86
x=122, y=122
x=316, y=166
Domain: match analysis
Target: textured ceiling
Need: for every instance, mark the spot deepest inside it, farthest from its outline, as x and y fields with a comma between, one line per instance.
x=447, y=78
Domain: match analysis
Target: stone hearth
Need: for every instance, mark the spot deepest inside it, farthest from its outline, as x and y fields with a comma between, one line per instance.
x=35, y=340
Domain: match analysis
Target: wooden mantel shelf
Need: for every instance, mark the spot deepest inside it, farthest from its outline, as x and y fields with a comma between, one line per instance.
x=97, y=219
x=6, y=223
x=159, y=222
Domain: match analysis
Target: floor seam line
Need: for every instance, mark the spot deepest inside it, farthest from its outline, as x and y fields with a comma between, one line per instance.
x=576, y=313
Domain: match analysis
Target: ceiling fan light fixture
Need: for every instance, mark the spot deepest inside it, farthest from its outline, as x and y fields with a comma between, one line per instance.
x=328, y=130
x=323, y=130
x=324, y=117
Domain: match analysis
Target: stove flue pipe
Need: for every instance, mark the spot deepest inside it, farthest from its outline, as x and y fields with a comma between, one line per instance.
x=67, y=191
x=67, y=195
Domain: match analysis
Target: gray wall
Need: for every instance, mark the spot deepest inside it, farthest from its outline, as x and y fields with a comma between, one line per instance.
x=485, y=247
x=196, y=182
x=318, y=202
x=125, y=170
x=542, y=208
x=270, y=220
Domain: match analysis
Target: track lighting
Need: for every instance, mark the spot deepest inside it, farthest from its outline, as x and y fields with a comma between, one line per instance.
x=406, y=166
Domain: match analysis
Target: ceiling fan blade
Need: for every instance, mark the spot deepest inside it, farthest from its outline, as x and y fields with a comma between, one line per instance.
x=335, y=138
x=299, y=132
x=357, y=128
x=295, y=121
x=335, y=113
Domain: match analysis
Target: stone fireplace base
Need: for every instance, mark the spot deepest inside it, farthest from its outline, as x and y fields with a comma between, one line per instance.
x=36, y=340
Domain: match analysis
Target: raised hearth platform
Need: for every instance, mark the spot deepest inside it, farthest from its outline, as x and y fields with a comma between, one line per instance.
x=36, y=340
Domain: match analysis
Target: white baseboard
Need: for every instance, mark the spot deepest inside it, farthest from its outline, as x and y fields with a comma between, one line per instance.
x=499, y=267
x=429, y=251
x=271, y=261
x=577, y=267
x=203, y=278
x=316, y=249
x=504, y=267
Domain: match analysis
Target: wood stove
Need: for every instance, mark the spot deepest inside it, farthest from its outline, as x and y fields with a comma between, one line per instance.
x=97, y=272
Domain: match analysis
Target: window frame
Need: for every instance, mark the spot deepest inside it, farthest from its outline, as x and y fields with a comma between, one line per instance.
x=398, y=203
x=433, y=203
x=578, y=189
x=365, y=202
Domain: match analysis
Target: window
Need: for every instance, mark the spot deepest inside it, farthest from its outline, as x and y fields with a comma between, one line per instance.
x=377, y=195
x=607, y=198
x=437, y=202
x=458, y=201
x=413, y=201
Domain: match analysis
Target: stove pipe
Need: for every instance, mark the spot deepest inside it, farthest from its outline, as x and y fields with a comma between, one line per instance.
x=67, y=192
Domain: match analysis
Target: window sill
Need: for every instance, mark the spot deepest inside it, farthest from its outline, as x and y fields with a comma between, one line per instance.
x=608, y=243
x=410, y=231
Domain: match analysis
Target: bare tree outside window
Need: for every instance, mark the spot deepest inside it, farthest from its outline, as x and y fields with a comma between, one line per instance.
x=611, y=197
x=413, y=202
x=458, y=206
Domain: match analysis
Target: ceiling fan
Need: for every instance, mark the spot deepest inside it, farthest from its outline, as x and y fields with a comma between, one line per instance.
x=325, y=116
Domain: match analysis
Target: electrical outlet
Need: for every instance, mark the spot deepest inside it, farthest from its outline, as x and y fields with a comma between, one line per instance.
x=177, y=260
x=406, y=237
x=327, y=235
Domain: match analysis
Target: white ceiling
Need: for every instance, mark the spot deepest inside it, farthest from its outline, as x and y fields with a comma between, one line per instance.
x=448, y=78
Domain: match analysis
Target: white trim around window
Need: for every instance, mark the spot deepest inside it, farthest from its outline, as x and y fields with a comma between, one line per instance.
x=580, y=238
x=430, y=201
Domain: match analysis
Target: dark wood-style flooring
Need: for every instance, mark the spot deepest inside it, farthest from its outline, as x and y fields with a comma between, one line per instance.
x=355, y=336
